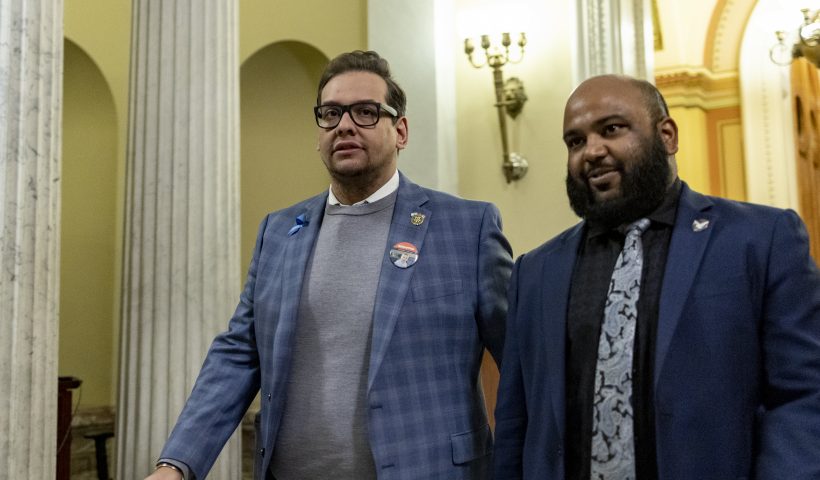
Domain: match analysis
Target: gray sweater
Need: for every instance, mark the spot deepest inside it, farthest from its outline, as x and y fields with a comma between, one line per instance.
x=324, y=426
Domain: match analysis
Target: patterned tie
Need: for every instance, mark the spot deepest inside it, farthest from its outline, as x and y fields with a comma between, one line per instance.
x=613, y=447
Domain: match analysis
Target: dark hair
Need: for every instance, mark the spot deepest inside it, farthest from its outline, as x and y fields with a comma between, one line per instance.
x=653, y=99
x=360, y=61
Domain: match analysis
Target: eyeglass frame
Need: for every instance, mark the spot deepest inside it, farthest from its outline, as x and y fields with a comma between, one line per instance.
x=382, y=107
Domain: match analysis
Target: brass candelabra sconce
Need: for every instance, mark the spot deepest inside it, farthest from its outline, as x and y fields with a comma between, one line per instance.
x=509, y=95
x=804, y=43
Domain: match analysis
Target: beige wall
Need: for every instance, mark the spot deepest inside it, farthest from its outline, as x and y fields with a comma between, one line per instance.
x=331, y=27
x=534, y=208
x=94, y=132
x=102, y=28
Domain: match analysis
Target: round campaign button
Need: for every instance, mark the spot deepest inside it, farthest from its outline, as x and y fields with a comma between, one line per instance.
x=404, y=254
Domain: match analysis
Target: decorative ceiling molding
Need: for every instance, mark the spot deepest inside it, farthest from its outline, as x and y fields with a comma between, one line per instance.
x=698, y=87
x=722, y=48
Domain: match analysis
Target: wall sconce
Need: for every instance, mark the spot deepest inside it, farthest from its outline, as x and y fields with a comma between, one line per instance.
x=509, y=95
x=806, y=43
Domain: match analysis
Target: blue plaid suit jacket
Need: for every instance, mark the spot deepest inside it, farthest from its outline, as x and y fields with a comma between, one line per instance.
x=431, y=323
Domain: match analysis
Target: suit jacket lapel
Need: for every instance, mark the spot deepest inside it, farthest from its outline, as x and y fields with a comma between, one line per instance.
x=298, y=248
x=393, y=281
x=295, y=251
x=686, y=250
x=557, y=273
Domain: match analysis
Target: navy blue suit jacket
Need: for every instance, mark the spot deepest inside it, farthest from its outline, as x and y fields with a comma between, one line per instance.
x=737, y=361
x=431, y=322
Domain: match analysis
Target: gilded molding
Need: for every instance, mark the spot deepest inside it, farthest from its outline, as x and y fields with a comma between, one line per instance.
x=724, y=35
x=699, y=88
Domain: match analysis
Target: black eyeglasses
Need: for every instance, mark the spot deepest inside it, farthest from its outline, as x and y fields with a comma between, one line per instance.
x=363, y=114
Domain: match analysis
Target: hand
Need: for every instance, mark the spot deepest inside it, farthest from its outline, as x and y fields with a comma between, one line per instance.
x=165, y=473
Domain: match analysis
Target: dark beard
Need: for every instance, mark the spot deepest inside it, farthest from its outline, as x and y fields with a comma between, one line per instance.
x=642, y=190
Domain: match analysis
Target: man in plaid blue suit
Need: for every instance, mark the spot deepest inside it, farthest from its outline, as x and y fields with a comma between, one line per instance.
x=426, y=274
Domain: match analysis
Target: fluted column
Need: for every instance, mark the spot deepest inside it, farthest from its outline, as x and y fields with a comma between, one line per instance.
x=31, y=64
x=180, y=274
x=614, y=36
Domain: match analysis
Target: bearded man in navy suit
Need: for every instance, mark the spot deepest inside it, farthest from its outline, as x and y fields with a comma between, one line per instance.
x=364, y=317
x=714, y=341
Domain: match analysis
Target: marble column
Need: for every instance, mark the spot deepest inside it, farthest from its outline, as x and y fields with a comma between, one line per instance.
x=614, y=36
x=181, y=277
x=31, y=64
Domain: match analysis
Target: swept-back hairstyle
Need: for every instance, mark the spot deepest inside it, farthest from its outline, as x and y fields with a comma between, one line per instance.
x=361, y=61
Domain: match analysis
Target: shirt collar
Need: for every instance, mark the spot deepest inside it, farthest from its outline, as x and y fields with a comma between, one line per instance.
x=391, y=186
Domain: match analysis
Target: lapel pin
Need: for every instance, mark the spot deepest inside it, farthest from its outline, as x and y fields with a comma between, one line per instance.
x=700, y=224
x=404, y=254
x=416, y=218
x=301, y=221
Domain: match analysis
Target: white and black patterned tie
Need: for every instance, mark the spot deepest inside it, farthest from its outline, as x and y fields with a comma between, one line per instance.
x=613, y=446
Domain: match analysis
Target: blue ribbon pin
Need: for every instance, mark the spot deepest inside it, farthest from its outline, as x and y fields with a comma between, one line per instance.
x=301, y=221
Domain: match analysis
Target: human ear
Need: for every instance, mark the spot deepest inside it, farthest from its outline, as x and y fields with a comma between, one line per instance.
x=668, y=130
x=402, y=133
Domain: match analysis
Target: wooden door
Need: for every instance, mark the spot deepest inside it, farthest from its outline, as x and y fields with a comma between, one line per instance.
x=806, y=110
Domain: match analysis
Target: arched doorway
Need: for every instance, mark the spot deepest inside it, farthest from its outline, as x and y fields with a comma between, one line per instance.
x=279, y=163
x=87, y=263
x=88, y=244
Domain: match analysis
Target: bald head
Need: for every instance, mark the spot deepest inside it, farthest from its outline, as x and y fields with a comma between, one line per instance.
x=645, y=92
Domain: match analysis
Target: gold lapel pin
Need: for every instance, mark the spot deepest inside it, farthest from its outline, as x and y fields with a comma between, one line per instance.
x=416, y=218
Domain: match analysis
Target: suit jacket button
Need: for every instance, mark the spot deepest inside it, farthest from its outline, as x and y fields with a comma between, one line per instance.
x=269, y=397
x=262, y=452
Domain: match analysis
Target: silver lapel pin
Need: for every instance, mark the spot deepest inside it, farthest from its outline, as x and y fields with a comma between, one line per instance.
x=700, y=224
